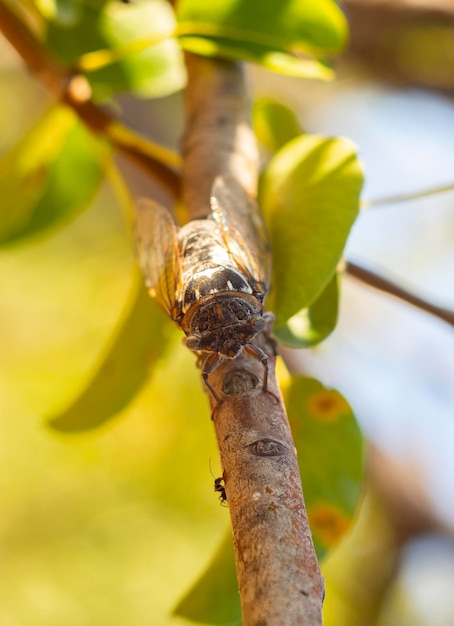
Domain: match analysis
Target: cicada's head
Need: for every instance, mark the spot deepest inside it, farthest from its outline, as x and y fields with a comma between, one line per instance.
x=224, y=323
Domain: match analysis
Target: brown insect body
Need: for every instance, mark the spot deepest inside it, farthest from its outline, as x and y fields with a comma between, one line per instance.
x=221, y=310
x=206, y=277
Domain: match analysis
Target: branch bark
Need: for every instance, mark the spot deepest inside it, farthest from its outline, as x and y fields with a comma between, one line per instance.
x=218, y=138
x=278, y=574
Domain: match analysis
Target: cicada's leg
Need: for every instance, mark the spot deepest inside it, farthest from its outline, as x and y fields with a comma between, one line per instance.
x=211, y=362
x=252, y=350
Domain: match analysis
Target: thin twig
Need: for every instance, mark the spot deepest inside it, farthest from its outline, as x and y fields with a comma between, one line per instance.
x=405, y=197
x=278, y=575
x=74, y=91
x=382, y=284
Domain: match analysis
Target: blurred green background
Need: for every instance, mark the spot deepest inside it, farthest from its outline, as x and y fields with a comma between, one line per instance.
x=109, y=527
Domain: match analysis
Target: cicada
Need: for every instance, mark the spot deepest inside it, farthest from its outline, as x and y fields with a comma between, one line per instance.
x=210, y=278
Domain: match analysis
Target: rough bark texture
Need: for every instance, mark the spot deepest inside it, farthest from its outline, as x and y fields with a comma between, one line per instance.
x=278, y=573
x=218, y=138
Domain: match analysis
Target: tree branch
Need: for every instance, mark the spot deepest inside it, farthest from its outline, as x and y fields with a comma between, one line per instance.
x=218, y=138
x=382, y=284
x=405, y=197
x=278, y=574
x=74, y=91
x=405, y=42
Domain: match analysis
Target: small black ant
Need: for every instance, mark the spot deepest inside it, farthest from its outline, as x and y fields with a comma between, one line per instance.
x=219, y=486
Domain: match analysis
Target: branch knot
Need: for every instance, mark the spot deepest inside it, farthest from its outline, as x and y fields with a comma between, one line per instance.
x=267, y=447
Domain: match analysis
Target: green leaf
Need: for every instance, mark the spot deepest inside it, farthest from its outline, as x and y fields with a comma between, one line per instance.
x=330, y=456
x=63, y=11
x=278, y=35
x=49, y=176
x=374, y=535
x=274, y=60
x=24, y=171
x=136, y=346
x=73, y=179
x=310, y=198
x=214, y=598
x=274, y=123
x=313, y=325
x=145, y=59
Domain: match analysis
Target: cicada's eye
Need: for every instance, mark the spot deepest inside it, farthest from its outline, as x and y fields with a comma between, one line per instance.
x=193, y=343
x=259, y=324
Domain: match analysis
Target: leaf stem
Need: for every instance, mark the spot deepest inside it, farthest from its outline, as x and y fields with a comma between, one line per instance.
x=387, y=286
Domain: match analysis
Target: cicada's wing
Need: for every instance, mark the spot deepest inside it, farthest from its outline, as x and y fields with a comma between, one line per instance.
x=242, y=229
x=156, y=245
